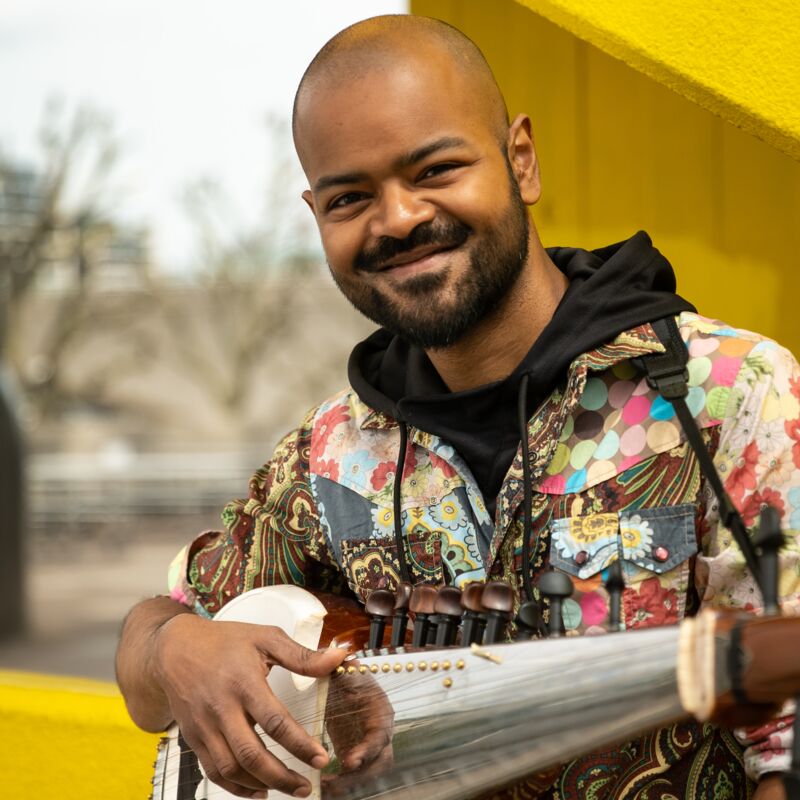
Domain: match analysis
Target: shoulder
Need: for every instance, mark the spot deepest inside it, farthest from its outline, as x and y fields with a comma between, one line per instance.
x=737, y=367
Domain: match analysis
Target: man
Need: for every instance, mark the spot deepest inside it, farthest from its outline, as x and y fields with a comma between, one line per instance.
x=419, y=184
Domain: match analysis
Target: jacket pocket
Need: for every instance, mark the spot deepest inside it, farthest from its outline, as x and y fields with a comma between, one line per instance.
x=372, y=563
x=654, y=545
x=654, y=539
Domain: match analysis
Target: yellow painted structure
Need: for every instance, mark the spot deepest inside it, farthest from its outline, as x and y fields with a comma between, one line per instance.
x=71, y=739
x=620, y=151
x=740, y=60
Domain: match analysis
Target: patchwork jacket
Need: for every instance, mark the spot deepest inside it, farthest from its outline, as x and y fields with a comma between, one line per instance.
x=613, y=479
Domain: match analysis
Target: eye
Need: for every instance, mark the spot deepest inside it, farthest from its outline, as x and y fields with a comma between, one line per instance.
x=347, y=199
x=438, y=169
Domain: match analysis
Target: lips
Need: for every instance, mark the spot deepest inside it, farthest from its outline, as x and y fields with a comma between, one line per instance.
x=416, y=255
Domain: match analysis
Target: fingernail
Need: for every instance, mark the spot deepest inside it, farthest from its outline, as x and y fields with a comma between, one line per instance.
x=318, y=762
x=356, y=764
x=302, y=791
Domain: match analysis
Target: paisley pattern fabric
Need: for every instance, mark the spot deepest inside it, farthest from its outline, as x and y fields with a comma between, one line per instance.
x=613, y=480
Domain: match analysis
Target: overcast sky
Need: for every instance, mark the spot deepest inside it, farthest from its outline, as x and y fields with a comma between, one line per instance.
x=187, y=83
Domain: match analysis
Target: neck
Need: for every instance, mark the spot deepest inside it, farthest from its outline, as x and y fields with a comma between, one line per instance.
x=492, y=349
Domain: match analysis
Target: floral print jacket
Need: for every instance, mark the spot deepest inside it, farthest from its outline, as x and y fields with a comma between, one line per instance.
x=613, y=479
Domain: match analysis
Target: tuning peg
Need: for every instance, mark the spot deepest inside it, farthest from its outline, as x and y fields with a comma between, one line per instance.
x=769, y=540
x=498, y=602
x=448, y=615
x=615, y=586
x=474, y=621
x=402, y=597
x=379, y=607
x=421, y=605
x=556, y=587
x=529, y=620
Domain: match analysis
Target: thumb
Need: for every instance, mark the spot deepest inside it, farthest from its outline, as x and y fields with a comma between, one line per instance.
x=282, y=650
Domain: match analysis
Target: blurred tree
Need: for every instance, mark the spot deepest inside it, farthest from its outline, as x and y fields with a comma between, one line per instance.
x=53, y=228
x=248, y=287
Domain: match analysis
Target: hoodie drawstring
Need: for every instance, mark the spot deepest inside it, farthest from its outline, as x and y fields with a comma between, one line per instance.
x=396, y=497
x=522, y=412
x=522, y=417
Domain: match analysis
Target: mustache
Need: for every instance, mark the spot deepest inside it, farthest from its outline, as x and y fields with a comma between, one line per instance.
x=446, y=234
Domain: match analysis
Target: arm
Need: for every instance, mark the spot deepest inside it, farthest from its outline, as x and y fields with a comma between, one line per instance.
x=759, y=460
x=210, y=677
x=146, y=702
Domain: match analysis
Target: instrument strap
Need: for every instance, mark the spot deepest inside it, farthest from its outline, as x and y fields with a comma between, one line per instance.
x=666, y=373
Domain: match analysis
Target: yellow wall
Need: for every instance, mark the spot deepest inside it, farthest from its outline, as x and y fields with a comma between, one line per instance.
x=620, y=152
x=70, y=739
x=740, y=60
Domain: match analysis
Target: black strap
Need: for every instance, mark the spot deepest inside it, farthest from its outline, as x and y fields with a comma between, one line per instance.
x=666, y=373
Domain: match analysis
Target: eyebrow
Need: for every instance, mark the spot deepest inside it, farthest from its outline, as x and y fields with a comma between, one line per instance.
x=405, y=160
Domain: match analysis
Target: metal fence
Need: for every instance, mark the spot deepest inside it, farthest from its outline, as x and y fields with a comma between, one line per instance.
x=84, y=495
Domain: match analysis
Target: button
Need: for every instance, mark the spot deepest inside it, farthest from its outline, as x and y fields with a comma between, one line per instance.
x=581, y=558
x=661, y=554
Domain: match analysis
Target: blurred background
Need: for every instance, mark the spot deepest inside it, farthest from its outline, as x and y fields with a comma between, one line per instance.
x=166, y=314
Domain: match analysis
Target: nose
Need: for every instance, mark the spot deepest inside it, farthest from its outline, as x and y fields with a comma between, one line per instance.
x=399, y=210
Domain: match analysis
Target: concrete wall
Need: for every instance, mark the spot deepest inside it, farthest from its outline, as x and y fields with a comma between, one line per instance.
x=620, y=151
x=71, y=739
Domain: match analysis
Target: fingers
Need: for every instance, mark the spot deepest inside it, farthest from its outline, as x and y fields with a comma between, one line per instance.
x=213, y=774
x=239, y=758
x=280, y=726
x=376, y=739
x=281, y=649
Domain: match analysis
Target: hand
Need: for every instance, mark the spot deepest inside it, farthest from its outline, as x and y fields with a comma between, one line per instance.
x=214, y=677
x=770, y=787
x=360, y=722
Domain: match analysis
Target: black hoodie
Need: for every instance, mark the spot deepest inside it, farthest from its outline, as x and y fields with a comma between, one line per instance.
x=610, y=290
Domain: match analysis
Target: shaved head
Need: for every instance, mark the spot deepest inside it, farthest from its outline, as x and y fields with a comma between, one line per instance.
x=382, y=45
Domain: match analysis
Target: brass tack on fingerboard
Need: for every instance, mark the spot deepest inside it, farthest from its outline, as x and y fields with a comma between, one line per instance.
x=447, y=683
x=373, y=668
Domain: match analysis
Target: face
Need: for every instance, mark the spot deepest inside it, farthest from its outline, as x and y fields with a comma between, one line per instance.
x=420, y=207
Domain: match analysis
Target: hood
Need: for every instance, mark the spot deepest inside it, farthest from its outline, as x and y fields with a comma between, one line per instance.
x=610, y=290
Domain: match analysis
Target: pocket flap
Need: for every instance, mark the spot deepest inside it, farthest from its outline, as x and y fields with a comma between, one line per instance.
x=656, y=539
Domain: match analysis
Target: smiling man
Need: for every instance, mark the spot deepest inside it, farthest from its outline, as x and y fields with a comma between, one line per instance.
x=420, y=185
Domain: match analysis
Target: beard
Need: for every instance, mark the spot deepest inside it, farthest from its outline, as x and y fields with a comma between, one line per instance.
x=431, y=318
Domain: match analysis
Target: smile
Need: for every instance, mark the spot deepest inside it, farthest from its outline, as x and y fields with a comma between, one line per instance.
x=418, y=260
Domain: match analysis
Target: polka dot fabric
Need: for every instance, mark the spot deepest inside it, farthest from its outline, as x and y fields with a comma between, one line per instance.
x=619, y=421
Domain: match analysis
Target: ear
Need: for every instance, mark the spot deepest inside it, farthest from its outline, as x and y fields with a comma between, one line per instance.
x=522, y=157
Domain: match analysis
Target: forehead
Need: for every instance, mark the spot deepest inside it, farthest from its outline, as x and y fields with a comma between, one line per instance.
x=369, y=121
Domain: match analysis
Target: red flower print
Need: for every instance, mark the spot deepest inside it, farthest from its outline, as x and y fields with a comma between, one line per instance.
x=442, y=465
x=411, y=462
x=794, y=387
x=792, y=428
x=757, y=501
x=324, y=427
x=327, y=469
x=382, y=473
x=651, y=606
x=743, y=476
